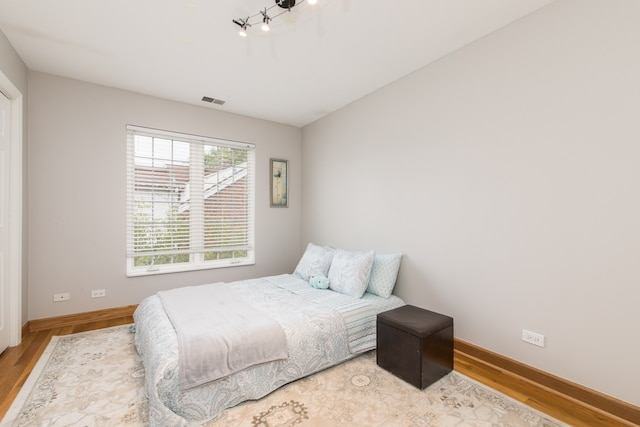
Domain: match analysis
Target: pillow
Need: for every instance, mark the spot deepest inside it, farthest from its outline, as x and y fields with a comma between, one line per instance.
x=349, y=272
x=384, y=274
x=315, y=260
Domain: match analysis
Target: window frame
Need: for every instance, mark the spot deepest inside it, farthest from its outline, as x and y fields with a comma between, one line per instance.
x=197, y=224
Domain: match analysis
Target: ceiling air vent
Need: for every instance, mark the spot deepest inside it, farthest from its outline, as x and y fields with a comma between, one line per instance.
x=213, y=100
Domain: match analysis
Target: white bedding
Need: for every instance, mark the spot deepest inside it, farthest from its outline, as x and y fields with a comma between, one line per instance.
x=322, y=328
x=219, y=333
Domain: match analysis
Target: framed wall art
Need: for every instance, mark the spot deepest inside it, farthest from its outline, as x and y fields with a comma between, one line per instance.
x=279, y=183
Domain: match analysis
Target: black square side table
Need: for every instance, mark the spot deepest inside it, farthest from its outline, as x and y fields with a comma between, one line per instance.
x=415, y=344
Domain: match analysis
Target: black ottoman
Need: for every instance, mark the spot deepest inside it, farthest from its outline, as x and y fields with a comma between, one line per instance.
x=415, y=344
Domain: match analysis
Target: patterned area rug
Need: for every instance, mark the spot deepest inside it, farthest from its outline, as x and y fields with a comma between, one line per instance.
x=97, y=379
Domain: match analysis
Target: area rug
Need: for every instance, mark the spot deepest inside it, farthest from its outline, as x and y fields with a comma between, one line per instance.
x=97, y=379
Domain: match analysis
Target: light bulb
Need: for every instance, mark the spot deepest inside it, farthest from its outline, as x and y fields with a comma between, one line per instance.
x=265, y=20
x=242, y=32
x=312, y=1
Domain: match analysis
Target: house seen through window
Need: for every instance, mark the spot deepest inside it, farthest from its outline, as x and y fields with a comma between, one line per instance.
x=190, y=202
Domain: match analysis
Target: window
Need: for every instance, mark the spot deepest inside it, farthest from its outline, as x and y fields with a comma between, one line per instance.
x=190, y=202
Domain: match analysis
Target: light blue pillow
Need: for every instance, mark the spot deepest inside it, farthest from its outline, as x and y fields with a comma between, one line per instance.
x=384, y=274
x=349, y=272
x=315, y=260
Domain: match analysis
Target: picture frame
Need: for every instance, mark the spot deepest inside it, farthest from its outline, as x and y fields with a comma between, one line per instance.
x=279, y=183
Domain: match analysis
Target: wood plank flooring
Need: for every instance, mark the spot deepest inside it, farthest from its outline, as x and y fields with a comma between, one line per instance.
x=544, y=399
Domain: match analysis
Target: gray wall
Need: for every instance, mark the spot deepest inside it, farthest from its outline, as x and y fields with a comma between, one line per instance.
x=77, y=192
x=12, y=66
x=507, y=173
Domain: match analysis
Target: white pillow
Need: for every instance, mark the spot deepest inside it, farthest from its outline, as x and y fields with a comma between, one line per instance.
x=349, y=272
x=384, y=274
x=315, y=260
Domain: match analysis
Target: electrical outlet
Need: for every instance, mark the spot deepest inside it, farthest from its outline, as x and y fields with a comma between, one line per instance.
x=533, y=338
x=61, y=297
x=98, y=293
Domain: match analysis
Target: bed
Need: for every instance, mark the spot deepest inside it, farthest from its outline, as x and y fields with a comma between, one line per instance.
x=322, y=327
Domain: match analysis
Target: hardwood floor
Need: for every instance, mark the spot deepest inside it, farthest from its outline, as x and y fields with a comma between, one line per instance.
x=552, y=401
x=17, y=362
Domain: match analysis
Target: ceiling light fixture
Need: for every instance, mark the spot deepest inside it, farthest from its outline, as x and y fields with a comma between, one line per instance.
x=265, y=20
x=244, y=26
x=264, y=17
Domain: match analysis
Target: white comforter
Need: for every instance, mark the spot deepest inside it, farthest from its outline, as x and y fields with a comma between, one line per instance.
x=219, y=333
x=318, y=336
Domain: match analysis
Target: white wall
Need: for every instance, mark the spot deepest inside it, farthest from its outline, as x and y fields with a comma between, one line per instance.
x=77, y=183
x=507, y=173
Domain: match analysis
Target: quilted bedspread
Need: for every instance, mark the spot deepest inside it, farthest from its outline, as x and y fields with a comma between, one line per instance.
x=318, y=336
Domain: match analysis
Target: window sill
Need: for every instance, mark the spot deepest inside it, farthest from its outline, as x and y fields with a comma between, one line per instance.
x=150, y=271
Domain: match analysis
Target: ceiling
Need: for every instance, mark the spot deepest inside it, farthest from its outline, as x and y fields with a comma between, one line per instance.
x=315, y=60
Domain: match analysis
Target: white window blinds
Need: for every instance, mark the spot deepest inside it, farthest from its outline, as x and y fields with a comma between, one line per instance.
x=190, y=202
